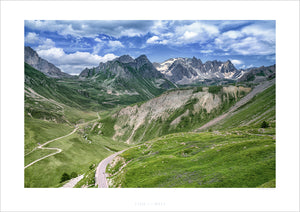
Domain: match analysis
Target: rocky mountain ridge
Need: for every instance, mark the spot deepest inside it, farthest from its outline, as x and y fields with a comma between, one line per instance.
x=193, y=70
x=32, y=58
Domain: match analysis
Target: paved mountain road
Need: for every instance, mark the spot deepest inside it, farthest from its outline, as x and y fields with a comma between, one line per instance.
x=72, y=182
x=100, y=176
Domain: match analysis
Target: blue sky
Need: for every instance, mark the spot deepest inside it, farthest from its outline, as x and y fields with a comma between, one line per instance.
x=74, y=45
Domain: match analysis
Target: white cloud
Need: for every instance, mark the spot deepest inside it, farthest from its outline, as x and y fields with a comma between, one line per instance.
x=46, y=44
x=108, y=45
x=153, y=39
x=130, y=33
x=206, y=51
x=236, y=62
x=188, y=35
x=92, y=28
x=246, y=44
x=75, y=62
x=195, y=32
x=253, y=46
x=115, y=44
x=266, y=34
x=232, y=34
x=156, y=40
x=255, y=39
x=32, y=38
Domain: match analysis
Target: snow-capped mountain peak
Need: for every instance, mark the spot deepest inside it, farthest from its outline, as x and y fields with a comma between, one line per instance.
x=192, y=70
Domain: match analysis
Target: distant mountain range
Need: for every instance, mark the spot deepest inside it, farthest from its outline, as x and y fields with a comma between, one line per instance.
x=126, y=72
x=132, y=76
x=192, y=70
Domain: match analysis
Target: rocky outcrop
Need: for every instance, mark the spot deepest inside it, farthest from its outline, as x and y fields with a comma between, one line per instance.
x=33, y=59
x=260, y=74
x=159, y=109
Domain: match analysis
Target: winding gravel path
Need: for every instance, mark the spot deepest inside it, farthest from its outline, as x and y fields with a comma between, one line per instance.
x=57, y=149
x=258, y=89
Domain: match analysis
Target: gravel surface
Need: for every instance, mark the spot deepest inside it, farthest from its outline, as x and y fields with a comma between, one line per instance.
x=100, y=176
x=72, y=182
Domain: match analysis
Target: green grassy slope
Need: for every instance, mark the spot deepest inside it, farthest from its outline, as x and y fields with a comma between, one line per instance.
x=235, y=153
x=198, y=160
x=39, y=131
x=50, y=89
x=77, y=155
x=109, y=89
x=192, y=114
x=261, y=108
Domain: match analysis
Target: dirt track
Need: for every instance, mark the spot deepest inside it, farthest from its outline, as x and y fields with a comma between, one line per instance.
x=57, y=149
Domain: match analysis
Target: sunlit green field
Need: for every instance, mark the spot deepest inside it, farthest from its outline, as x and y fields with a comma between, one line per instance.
x=236, y=152
x=211, y=159
x=77, y=155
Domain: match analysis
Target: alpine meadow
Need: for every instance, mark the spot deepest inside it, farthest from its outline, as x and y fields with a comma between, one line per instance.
x=149, y=104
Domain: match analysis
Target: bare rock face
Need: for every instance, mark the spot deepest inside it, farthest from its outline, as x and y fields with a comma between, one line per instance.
x=131, y=118
x=125, y=59
x=33, y=59
x=259, y=74
x=192, y=70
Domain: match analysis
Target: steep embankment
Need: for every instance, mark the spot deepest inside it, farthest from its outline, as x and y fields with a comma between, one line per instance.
x=174, y=111
x=249, y=97
x=240, y=154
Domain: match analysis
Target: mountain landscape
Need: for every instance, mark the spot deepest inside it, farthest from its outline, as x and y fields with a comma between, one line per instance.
x=157, y=111
x=192, y=70
x=33, y=59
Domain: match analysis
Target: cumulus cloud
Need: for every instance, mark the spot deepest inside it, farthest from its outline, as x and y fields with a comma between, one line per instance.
x=236, y=62
x=250, y=40
x=128, y=37
x=156, y=40
x=178, y=33
x=32, y=38
x=153, y=39
x=75, y=62
x=115, y=44
x=107, y=45
x=195, y=32
x=46, y=44
x=232, y=34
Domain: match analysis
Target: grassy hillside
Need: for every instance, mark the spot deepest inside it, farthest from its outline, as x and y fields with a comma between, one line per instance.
x=261, y=108
x=225, y=159
x=39, y=131
x=110, y=88
x=78, y=154
x=50, y=89
x=180, y=110
x=237, y=152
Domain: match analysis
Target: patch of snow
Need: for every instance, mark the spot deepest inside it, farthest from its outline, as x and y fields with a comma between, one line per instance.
x=228, y=75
